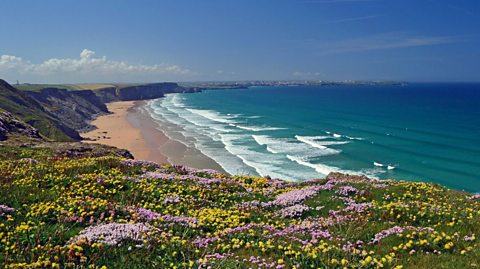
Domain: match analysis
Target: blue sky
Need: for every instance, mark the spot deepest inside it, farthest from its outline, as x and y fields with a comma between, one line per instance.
x=146, y=40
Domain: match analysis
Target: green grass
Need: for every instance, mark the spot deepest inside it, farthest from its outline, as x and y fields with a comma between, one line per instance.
x=39, y=87
x=56, y=198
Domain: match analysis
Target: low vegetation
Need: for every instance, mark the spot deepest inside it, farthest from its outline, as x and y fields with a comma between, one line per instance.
x=109, y=212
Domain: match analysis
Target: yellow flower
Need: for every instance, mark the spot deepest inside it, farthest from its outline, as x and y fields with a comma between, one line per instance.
x=448, y=245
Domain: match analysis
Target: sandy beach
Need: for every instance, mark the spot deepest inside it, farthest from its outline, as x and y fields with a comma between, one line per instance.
x=129, y=127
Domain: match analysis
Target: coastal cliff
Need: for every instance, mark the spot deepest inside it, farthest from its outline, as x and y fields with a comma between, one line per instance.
x=28, y=109
x=74, y=108
x=61, y=114
x=139, y=92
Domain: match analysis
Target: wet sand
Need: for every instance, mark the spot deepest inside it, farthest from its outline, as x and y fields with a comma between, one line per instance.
x=131, y=128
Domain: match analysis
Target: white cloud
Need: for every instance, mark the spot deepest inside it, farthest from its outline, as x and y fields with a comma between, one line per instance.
x=89, y=68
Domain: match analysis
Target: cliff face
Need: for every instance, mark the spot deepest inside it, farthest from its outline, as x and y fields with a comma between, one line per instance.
x=140, y=92
x=74, y=108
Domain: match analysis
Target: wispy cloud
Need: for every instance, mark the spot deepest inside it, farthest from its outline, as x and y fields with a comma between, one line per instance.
x=356, y=19
x=299, y=74
x=89, y=66
x=385, y=41
x=336, y=1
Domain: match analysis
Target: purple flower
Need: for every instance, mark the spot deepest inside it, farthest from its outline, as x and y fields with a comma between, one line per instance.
x=28, y=161
x=140, y=163
x=346, y=190
x=297, y=196
x=113, y=233
x=5, y=209
x=148, y=215
x=396, y=230
x=474, y=197
x=171, y=199
x=294, y=211
x=469, y=238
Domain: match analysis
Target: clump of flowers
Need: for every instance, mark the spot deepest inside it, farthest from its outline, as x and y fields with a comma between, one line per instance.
x=297, y=196
x=140, y=163
x=30, y=161
x=474, y=197
x=294, y=211
x=5, y=209
x=396, y=230
x=346, y=190
x=112, y=234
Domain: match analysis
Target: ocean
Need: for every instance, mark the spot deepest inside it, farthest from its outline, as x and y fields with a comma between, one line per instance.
x=421, y=132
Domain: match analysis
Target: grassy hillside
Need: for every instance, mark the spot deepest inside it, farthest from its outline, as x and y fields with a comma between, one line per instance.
x=71, y=87
x=39, y=87
x=31, y=112
x=109, y=212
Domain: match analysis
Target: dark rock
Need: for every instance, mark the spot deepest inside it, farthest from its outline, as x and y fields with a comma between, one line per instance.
x=10, y=126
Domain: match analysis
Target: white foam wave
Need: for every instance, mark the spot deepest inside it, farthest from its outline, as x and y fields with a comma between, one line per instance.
x=258, y=128
x=219, y=137
x=311, y=140
x=354, y=138
x=211, y=115
x=336, y=135
x=263, y=163
x=325, y=169
x=177, y=101
x=320, y=168
x=388, y=166
x=292, y=147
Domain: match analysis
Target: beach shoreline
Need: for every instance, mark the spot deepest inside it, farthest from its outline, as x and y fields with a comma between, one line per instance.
x=131, y=128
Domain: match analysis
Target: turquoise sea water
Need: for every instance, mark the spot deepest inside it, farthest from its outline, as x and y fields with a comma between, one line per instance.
x=427, y=132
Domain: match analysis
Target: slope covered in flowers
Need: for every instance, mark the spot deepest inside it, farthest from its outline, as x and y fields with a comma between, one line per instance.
x=109, y=212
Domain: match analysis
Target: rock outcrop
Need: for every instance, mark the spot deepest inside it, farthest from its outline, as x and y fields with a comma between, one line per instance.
x=10, y=126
